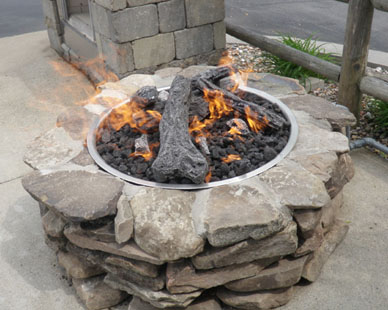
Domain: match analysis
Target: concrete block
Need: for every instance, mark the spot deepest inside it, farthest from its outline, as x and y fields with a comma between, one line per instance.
x=135, y=3
x=50, y=10
x=172, y=15
x=219, y=30
x=55, y=40
x=119, y=57
x=201, y=12
x=101, y=19
x=113, y=5
x=53, y=25
x=154, y=51
x=134, y=23
x=194, y=41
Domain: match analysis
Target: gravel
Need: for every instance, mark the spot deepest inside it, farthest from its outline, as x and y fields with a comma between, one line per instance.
x=247, y=57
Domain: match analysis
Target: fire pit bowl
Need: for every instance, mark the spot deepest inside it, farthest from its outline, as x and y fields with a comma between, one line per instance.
x=91, y=143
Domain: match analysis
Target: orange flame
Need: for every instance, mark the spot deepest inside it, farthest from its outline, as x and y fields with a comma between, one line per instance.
x=230, y=158
x=253, y=120
x=234, y=131
x=208, y=177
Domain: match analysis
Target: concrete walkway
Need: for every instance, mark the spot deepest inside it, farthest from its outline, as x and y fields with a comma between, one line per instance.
x=32, y=94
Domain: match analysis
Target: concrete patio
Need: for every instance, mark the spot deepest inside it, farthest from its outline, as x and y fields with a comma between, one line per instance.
x=33, y=94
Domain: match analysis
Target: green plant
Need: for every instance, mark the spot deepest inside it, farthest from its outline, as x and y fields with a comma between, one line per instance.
x=285, y=68
x=379, y=109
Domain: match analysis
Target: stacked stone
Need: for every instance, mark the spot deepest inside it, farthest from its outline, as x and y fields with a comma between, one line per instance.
x=244, y=245
x=144, y=35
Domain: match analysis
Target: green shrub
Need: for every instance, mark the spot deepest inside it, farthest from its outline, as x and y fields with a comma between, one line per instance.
x=285, y=68
x=379, y=109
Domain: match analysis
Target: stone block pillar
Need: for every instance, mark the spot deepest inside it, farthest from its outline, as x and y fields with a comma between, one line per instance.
x=146, y=35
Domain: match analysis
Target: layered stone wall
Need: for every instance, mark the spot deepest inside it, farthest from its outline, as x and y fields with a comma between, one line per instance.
x=243, y=246
x=146, y=35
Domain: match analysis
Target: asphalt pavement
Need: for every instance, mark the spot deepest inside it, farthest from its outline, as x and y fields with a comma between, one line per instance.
x=301, y=18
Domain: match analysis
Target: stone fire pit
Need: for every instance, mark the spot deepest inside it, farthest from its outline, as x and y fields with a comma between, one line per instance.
x=241, y=246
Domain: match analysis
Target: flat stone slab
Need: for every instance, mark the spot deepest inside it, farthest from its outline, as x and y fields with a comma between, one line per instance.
x=77, y=195
x=275, y=85
x=283, y=243
x=342, y=174
x=285, y=273
x=53, y=148
x=333, y=238
x=260, y=213
x=161, y=299
x=308, y=220
x=123, y=220
x=262, y=300
x=76, y=267
x=183, y=278
x=320, y=108
x=164, y=226
x=297, y=187
x=129, y=250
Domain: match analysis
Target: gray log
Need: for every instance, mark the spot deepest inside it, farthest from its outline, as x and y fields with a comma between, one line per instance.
x=374, y=87
x=283, y=51
x=178, y=157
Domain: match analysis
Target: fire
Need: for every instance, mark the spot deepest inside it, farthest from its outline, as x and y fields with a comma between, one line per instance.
x=254, y=123
x=230, y=158
x=234, y=131
x=135, y=116
x=208, y=177
x=146, y=155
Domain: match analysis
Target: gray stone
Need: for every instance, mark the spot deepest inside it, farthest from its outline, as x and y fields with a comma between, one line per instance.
x=55, y=244
x=119, y=57
x=333, y=238
x=95, y=294
x=304, y=119
x=285, y=273
x=330, y=211
x=53, y=224
x=283, y=243
x=76, y=195
x=113, y=5
x=76, y=267
x=104, y=233
x=260, y=214
x=52, y=148
x=322, y=165
x=172, y=15
x=321, y=109
x=76, y=121
x=219, y=31
x=194, y=70
x=161, y=299
x=201, y=12
x=313, y=83
x=205, y=304
x=126, y=25
x=262, y=300
x=275, y=85
x=297, y=187
x=307, y=221
x=134, y=82
x=163, y=223
x=314, y=140
x=83, y=158
x=182, y=277
x=142, y=268
x=129, y=250
x=168, y=72
x=148, y=51
x=134, y=23
x=138, y=304
x=134, y=3
x=193, y=41
x=310, y=244
x=342, y=174
x=123, y=221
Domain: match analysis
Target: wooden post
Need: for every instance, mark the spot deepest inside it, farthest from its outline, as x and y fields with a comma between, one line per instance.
x=355, y=53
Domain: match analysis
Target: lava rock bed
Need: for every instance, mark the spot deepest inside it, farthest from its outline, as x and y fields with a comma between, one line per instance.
x=229, y=154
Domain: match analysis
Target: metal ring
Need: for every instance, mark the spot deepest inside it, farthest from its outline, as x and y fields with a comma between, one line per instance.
x=91, y=143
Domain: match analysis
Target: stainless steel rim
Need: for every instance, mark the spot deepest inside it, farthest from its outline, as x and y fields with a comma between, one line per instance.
x=91, y=142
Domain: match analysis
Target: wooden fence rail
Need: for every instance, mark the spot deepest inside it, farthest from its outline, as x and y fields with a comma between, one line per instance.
x=351, y=75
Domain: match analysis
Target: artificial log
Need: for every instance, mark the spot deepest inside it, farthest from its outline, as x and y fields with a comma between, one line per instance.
x=273, y=119
x=178, y=157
